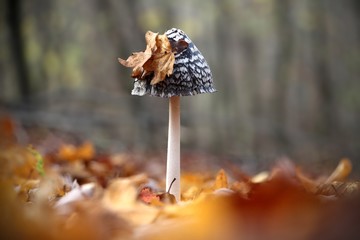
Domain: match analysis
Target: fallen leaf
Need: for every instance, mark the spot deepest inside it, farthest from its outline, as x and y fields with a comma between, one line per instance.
x=338, y=189
x=203, y=218
x=309, y=184
x=121, y=197
x=341, y=172
x=147, y=195
x=243, y=188
x=333, y=185
x=7, y=131
x=221, y=180
x=224, y=192
x=84, y=152
x=24, y=189
x=167, y=198
x=162, y=60
x=67, y=152
x=39, y=161
x=275, y=209
x=17, y=162
x=260, y=177
x=158, y=58
x=77, y=193
x=282, y=203
x=90, y=220
x=122, y=193
x=191, y=193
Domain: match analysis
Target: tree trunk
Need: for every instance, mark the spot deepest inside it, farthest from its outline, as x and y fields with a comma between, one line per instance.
x=17, y=46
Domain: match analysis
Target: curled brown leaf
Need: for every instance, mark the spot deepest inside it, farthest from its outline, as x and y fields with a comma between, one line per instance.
x=341, y=172
x=158, y=58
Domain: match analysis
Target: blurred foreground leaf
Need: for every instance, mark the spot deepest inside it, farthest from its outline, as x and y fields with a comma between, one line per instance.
x=89, y=196
x=39, y=161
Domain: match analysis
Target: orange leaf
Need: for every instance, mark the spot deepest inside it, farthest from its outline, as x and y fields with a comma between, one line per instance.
x=67, y=152
x=221, y=180
x=70, y=153
x=86, y=151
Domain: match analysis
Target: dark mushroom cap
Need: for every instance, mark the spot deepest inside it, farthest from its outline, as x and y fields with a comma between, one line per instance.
x=191, y=74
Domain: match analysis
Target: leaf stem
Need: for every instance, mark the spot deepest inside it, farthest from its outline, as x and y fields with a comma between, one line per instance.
x=168, y=191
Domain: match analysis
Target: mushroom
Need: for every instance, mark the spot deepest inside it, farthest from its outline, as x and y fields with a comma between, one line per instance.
x=191, y=75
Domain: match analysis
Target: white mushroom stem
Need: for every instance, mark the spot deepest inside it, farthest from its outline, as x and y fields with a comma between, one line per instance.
x=173, y=153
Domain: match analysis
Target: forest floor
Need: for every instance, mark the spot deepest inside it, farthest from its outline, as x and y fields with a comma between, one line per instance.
x=75, y=192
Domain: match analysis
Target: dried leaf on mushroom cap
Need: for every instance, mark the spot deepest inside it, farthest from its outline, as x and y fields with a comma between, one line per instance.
x=157, y=59
x=176, y=67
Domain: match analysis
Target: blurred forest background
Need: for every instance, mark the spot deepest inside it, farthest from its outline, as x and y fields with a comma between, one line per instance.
x=287, y=74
